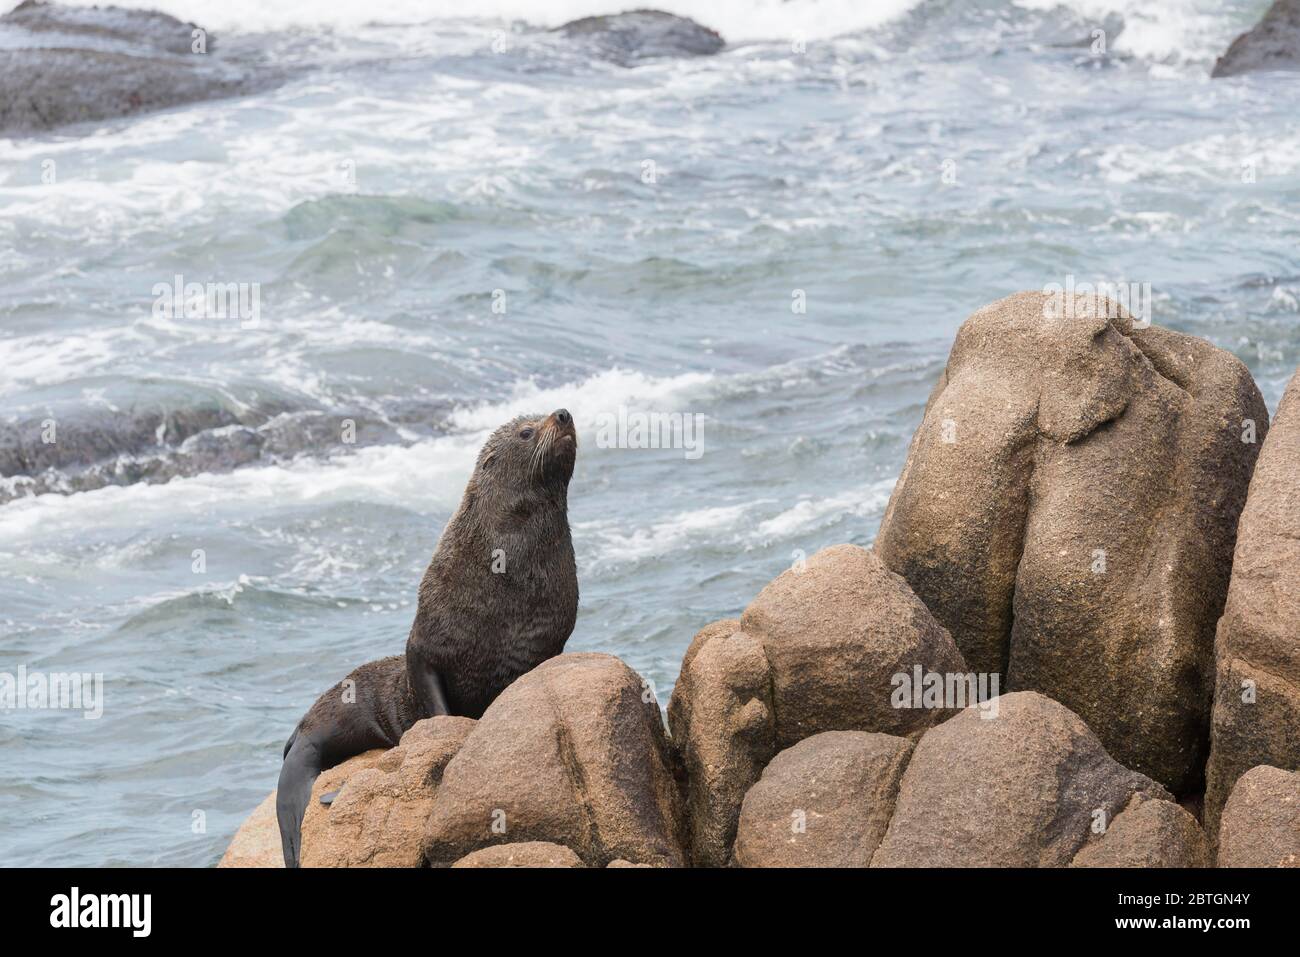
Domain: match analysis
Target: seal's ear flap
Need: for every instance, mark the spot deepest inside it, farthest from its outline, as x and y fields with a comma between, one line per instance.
x=487, y=459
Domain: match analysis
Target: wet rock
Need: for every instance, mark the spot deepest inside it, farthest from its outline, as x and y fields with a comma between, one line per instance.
x=1260, y=826
x=1068, y=511
x=257, y=842
x=164, y=435
x=378, y=817
x=1023, y=788
x=817, y=650
x=626, y=38
x=1273, y=44
x=62, y=65
x=1256, y=718
x=826, y=802
x=1148, y=833
x=526, y=854
x=573, y=753
x=82, y=437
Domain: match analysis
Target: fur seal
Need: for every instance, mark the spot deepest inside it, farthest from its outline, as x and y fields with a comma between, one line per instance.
x=499, y=597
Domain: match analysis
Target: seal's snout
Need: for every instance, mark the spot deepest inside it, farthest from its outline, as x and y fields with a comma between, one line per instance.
x=562, y=422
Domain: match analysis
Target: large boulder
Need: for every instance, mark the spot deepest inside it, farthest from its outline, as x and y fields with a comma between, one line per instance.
x=1261, y=821
x=1026, y=786
x=257, y=842
x=1256, y=718
x=573, y=753
x=384, y=798
x=61, y=65
x=1273, y=43
x=1148, y=833
x=1068, y=510
x=825, y=802
x=526, y=854
x=819, y=649
x=722, y=723
x=627, y=38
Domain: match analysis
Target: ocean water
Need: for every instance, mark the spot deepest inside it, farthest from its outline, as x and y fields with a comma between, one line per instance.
x=651, y=232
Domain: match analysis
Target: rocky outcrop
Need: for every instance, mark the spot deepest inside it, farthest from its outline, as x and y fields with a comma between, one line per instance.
x=1068, y=511
x=1260, y=826
x=1256, y=718
x=384, y=799
x=1024, y=788
x=826, y=802
x=257, y=842
x=526, y=854
x=1148, y=833
x=1273, y=44
x=573, y=753
x=627, y=38
x=817, y=650
x=61, y=65
x=721, y=718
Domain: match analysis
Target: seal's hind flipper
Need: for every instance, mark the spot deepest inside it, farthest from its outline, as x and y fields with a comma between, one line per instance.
x=302, y=765
x=328, y=799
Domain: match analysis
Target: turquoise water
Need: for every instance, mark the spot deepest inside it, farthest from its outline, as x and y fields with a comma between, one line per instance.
x=912, y=163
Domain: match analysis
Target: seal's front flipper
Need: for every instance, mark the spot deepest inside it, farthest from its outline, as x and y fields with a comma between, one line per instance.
x=301, y=767
x=429, y=690
x=328, y=799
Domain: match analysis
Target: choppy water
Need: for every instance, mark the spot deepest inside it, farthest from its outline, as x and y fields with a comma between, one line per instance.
x=409, y=171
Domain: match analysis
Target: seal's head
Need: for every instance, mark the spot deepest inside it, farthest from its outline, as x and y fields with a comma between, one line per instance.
x=529, y=454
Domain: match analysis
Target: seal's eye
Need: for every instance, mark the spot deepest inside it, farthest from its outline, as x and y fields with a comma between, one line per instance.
x=526, y=434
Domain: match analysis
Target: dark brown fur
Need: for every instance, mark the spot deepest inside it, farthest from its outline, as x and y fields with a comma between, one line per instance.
x=501, y=593
x=500, y=596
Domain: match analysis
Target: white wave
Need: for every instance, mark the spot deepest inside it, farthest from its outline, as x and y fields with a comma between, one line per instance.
x=1167, y=29
x=601, y=394
x=805, y=515
x=729, y=526
x=1216, y=160
x=736, y=20
x=617, y=544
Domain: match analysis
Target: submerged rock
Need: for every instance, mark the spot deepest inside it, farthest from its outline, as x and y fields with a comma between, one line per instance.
x=626, y=38
x=1273, y=44
x=817, y=650
x=167, y=433
x=1068, y=511
x=62, y=65
x=1256, y=717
